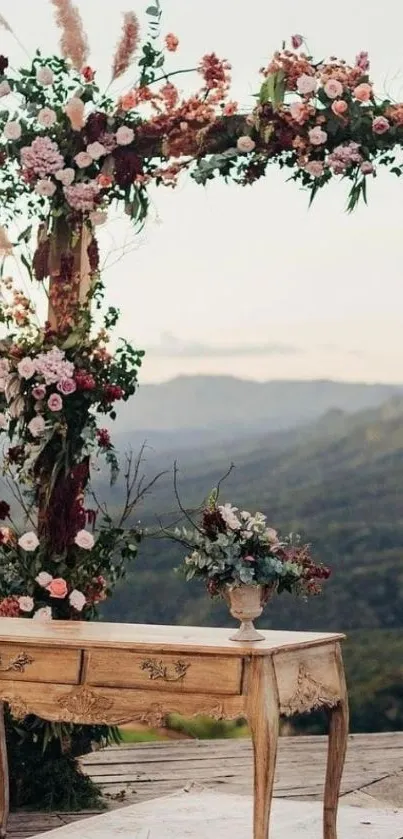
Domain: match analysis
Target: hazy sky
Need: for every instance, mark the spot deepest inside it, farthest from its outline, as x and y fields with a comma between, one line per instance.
x=247, y=281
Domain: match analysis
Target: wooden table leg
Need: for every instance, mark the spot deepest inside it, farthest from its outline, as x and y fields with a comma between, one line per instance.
x=263, y=717
x=338, y=735
x=4, y=786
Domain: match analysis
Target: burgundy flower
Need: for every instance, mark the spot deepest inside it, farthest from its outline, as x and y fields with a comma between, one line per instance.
x=41, y=260
x=3, y=64
x=113, y=392
x=127, y=165
x=93, y=254
x=85, y=381
x=95, y=126
x=4, y=510
x=104, y=439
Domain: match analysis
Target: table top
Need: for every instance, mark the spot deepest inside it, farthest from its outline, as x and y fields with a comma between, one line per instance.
x=147, y=637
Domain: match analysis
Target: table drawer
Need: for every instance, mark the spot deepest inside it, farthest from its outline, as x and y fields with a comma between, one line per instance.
x=36, y=664
x=190, y=674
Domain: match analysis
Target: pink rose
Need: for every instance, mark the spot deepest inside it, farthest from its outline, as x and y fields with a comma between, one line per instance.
x=317, y=136
x=55, y=402
x=96, y=150
x=362, y=92
x=45, y=187
x=65, y=176
x=77, y=600
x=39, y=392
x=46, y=117
x=124, y=136
x=43, y=579
x=296, y=41
x=37, y=426
x=66, y=386
x=29, y=541
x=245, y=144
x=339, y=107
x=98, y=217
x=83, y=159
x=74, y=110
x=314, y=168
x=44, y=76
x=380, y=125
x=333, y=88
x=298, y=112
x=249, y=559
x=306, y=84
x=5, y=88
x=26, y=604
x=12, y=130
x=43, y=615
x=26, y=368
x=84, y=540
x=367, y=167
x=57, y=588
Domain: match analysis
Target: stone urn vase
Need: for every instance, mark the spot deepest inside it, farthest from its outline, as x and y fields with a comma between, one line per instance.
x=246, y=603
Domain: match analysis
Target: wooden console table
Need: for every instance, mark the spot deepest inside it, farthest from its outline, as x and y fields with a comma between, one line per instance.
x=119, y=673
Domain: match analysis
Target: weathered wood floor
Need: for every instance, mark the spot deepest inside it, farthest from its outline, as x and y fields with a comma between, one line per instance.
x=129, y=774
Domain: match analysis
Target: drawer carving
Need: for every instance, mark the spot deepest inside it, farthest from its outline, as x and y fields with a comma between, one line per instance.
x=309, y=695
x=199, y=674
x=85, y=705
x=39, y=664
x=16, y=664
x=159, y=670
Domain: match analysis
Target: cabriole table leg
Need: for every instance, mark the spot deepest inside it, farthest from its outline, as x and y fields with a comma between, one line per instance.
x=4, y=785
x=263, y=718
x=337, y=746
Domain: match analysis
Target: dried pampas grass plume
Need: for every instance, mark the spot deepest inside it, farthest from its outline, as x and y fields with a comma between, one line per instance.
x=73, y=42
x=127, y=45
x=4, y=24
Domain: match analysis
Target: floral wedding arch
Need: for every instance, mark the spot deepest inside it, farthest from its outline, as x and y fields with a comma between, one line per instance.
x=68, y=152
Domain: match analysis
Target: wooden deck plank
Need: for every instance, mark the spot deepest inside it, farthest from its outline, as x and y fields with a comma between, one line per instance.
x=140, y=772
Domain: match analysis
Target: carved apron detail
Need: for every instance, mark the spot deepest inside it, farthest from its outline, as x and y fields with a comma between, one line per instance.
x=83, y=705
x=309, y=695
x=17, y=706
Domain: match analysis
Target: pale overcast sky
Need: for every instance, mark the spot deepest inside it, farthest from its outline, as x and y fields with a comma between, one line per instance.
x=247, y=281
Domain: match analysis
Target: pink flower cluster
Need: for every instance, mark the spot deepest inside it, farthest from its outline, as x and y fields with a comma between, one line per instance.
x=54, y=367
x=82, y=196
x=42, y=157
x=343, y=157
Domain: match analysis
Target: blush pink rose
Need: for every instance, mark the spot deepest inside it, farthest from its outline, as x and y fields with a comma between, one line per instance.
x=380, y=125
x=45, y=76
x=26, y=604
x=44, y=579
x=26, y=368
x=314, y=168
x=65, y=176
x=47, y=117
x=317, y=136
x=12, y=130
x=298, y=112
x=339, y=107
x=124, y=136
x=66, y=386
x=37, y=426
x=84, y=540
x=55, y=402
x=28, y=541
x=333, y=88
x=83, y=159
x=57, y=588
x=306, y=84
x=43, y=615
x=245, y=144
x=362, y=92
x=77, y=600
x=249, y=559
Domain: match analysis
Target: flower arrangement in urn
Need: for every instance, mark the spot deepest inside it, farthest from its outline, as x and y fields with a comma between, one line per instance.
x=245, y=561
